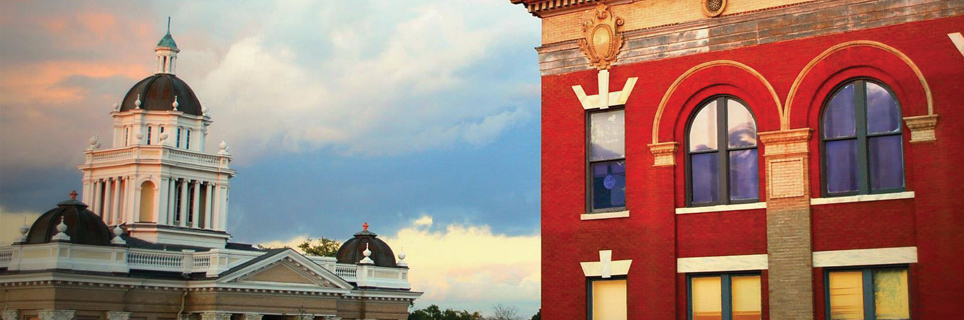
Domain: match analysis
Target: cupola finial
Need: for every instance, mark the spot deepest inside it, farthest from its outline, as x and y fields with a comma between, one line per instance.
x=168, y=24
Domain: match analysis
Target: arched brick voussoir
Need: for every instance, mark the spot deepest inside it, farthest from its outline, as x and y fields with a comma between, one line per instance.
x=850, y=60
x=725, y=77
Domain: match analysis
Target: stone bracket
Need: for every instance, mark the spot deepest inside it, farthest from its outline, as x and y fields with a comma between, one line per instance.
x=922, y=128
x=664, y=153
x=602, y=101
x=606, y=267
x=958, y=41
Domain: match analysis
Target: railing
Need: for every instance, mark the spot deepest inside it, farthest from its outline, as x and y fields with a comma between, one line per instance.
x=346, y=271
x=192, y=157
x=115, y=154
x=201, y=263
x=5, y=257
x=156, y=261
x=156, y=152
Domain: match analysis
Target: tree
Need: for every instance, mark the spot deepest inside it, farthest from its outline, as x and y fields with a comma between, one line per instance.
x=538, y=315
x=325, y=247
x=433, y=312
x=322, y=247
x=501, y=312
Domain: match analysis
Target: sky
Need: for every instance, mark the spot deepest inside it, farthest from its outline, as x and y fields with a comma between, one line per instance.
x=418, y=117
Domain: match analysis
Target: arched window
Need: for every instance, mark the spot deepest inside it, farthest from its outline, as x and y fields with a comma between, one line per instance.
x=721, y=160
x=862, y=141
x=147, y=202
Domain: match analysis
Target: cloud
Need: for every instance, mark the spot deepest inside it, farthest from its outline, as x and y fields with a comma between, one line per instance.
x=465, y=267
x=10, y=223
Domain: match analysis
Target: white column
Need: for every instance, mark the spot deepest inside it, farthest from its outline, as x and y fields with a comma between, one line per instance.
x=118, y=193
x=117, y=315
x=14, y=314
x=209, y=197
x=224, y=215
x=56, y=314
x=135, y=213
x=195, y=205
x=183, y=203
x=87, y=191
x=162, y=190
x=108, y=198
x=216, y=200
x=171, y=201
x=97, y=197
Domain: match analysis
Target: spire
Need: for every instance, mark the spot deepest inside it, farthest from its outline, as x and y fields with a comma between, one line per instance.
x=166, y=51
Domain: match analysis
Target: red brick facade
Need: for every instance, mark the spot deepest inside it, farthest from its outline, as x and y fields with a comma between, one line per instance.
x=654, y=236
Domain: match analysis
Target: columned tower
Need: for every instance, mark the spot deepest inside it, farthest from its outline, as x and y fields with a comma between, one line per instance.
x=157, y=178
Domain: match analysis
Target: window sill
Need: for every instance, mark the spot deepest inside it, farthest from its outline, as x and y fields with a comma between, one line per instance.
x=724, y=207
x=605, y=215
x=863, y=198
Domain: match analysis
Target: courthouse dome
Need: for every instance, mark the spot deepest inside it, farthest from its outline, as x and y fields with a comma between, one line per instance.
x=83, y=226
x=157, y=93
x=353, y=250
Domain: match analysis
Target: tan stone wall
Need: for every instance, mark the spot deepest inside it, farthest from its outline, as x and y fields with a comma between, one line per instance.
x=647, y=14
x=374, y=309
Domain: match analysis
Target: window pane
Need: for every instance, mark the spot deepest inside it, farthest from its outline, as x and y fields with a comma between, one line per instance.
x=744, y=175
x=841, y=166
x=705, y=176
x=609, y=185
x=609, y=300
x=741, y=129
x=703, y=132
x=608, y=130
x=838, y=119
x=846, y=295
x=886, y=162
x=746, y=295
x=890, y=295
x=882, y=112
x=707, y=298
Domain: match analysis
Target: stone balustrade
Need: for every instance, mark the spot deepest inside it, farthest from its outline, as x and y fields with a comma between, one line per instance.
x=147, y=153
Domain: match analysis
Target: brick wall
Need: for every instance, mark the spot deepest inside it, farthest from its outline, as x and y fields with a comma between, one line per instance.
x=654, y=236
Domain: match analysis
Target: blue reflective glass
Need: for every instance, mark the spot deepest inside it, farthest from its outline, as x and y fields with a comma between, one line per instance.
x=883, y=114
x=841, y=166
x=705, y=175
x=838, y=119
x=609, y=185
x=886, y=162
x=744, y=175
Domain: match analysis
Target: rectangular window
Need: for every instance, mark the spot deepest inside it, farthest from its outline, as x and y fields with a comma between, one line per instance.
x=178, y=143
x=149, y=129
x=868, y=294
x=607, y=160
x=127, y=136
x=187, y=141
x=607, y=299
x=725, y=297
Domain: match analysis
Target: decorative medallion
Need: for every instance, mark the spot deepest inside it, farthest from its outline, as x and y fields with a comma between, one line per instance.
x=601, y=41
x=713, y=8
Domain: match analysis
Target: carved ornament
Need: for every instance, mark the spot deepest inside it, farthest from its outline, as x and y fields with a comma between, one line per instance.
x=601, y=40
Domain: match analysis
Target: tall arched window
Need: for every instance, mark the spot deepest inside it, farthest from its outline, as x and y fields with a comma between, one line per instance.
x=862, y=141
x=721, y=160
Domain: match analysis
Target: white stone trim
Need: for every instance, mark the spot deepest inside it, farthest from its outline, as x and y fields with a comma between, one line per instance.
x=605, y=267
x=722, y=263
x=723, y=207
x=863, y=198
x=864, y=257
x=958, y=41
x=603, y=101
x=604, y=215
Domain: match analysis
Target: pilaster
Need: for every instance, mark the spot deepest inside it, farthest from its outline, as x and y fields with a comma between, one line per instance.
x=195, y=207
x=215, y=316
x=664, y=153
x=251, y=316
x=57, y=314
x=12, y=314
x=789, y=246
x=183, y=222
x=117, y=315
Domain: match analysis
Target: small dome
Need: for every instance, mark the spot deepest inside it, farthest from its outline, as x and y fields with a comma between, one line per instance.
x=353, y=250
x=157, y=93
x=83, y=226
x=167, y=41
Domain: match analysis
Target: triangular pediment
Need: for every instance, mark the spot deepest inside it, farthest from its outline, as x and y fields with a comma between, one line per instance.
x=286, y=268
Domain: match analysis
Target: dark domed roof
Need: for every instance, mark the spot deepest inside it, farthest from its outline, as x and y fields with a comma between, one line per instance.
x=83, y=226
x=352, y=250
x=157, y=93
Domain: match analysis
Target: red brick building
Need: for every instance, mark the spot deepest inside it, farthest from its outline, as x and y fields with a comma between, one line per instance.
x=754, y=159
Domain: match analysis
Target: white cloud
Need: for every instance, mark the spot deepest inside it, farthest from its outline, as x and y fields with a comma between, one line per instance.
x=10, y=223
x=465, y=267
